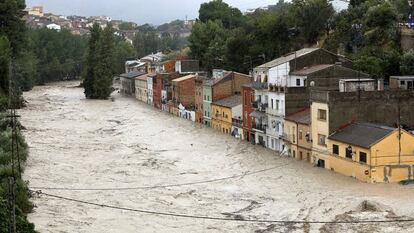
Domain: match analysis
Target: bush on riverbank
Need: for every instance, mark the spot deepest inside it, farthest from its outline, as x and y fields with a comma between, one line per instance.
x=23, y=205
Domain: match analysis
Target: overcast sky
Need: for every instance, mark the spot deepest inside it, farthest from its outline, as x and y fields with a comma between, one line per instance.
x=140, y=11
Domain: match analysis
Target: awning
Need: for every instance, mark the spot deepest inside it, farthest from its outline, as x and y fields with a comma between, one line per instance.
x=258, y=115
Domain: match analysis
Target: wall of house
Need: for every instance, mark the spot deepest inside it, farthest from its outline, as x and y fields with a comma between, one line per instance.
x=198, y=101
x=157, y=87
x=150, y=91
x=278, y=74
x=386, y=154
x=296, y=99
x=221, y=118
x=230, y=85
x=382, y=160
x=319, y=127
x=141, y=90
x=184, y=92
x=247, y=99
x=328, y=79
x=207, y=100
x=375, y=107
x=303, y=141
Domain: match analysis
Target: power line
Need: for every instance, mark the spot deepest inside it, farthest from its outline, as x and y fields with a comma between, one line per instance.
x=205, y=217
x=164, y=186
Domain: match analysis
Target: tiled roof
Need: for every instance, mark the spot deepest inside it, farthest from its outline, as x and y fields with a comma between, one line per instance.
x=184, y=78
x=229, y=102
x=309, y=70
x=212, y=82
x=362, y=134
x=288, y=57
x=302, y=117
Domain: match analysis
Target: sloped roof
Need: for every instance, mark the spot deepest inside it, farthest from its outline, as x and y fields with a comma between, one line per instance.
x=312, y=69
x=302, y=117
x=132, y=75
x=229, y=102
x=212, y=82
x=184, y=78
x=362, y=134
x=288, y=57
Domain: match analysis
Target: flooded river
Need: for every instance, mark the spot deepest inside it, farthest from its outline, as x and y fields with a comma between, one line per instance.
x=115, y=152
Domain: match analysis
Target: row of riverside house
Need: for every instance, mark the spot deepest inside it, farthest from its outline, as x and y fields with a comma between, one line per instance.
x=310, y=105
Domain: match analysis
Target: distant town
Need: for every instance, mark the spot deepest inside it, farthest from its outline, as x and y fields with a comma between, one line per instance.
x=80, y=25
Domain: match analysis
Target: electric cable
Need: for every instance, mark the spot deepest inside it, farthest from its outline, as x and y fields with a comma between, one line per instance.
x=205, y=217
x=163, y=186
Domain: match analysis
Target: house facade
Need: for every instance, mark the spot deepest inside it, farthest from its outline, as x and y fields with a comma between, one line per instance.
x=227, y=114
x=220, y=87
x=183, y=90
x=127, y=81
x=248, y=98
x=141, y=88
x=280, y=91
x=199, y=99
x=297, y=135
x=369, y=152
x=332, y=110
x=150, y=88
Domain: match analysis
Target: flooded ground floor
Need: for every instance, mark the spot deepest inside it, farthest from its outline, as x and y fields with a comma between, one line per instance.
x=124, y=153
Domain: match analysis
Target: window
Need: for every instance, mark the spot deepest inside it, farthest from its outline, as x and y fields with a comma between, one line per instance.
x=297, y=82
x=362, y=157
x=402, y=82
x=300, y=155
x=321, y=140
x=272, y=105
x=294, y=154
x=277, y=104
x=300, y=135
x=321, y=114
x=348, y=152
x=335, y=149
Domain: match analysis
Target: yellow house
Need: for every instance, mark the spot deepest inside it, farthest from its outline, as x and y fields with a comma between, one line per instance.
x=320, y=133
x=297, y=136
x=224, y=111
x=372, y=153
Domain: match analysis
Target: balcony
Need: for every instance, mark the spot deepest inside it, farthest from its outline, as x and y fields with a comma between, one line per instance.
x=262, y=107
x=259, y=86
x=237, y=123
x=277, y=88
x=260, y=127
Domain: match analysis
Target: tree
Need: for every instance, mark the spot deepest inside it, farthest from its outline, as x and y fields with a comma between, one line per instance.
x=123, y=51
x=12, y=24
x=5, y=59
x=207, y=43
x=407, y=63
x=91, y=62
x=312, y=18
x=218, y=10
x=104, y=70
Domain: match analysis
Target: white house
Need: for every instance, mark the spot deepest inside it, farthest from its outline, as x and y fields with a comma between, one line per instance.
x=271, y=83
x=53, y=26
x=150, y=89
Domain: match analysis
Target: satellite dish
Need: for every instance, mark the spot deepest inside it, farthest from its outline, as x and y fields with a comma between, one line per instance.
x=312, y=83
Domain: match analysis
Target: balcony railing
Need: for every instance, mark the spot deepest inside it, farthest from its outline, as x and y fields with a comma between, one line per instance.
x=259, y=86
x=260, y=127
x=262, y=107
x=277, y=88
x=237, y=122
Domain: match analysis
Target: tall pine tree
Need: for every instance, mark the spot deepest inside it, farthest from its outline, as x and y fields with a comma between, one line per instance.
x=104, y=71
x=91, y=62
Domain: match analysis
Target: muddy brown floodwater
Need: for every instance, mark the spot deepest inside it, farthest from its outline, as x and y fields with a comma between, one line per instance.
x=116, y=145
